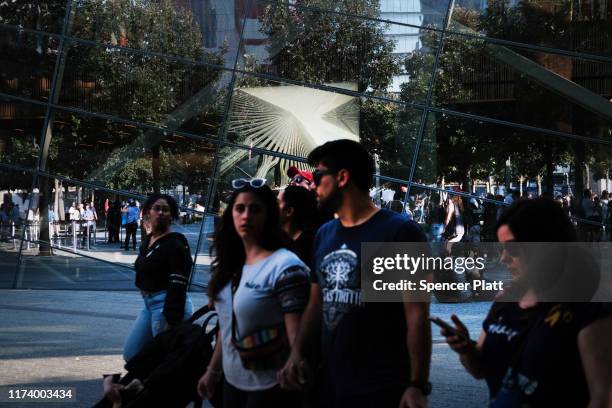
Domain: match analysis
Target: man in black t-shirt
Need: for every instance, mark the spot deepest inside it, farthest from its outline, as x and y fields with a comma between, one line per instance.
x=374, y=354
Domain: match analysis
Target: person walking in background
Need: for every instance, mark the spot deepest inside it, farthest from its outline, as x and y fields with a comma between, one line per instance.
x=131, y=224
x=88, y=225
x=113, y=222
x=300, y=178
x=298, y=215
x=259, y=289
x=372, y=354
x=454, y=226
x=525, y=352
x=162, y=268
x=5, y=222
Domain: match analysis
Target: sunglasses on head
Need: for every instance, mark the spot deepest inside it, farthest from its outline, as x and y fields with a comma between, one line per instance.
x=318, y=174
x=239, y=183
x=300, y=179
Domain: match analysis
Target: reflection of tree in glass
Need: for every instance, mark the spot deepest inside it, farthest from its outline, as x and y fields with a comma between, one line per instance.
x=471, y=77
x=140, y=87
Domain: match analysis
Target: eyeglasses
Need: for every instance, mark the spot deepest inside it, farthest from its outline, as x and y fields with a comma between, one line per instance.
x=162, y=208
x=300, y=179
x=318, y=174
x=237, y=184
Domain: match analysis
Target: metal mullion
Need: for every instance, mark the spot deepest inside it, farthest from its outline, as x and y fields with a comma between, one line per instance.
x=413, y=105
x=575, y=54
x=425, y=113
x=221, y=138
x=43, y=144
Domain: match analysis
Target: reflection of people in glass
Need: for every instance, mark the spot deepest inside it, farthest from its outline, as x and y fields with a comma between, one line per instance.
x=533, y=353
x=162, y=272
x=131, y=224
x=300, y=178
x=453, y=222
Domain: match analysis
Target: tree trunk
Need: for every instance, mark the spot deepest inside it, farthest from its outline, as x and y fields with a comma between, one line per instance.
x=579, y=163
x=56, y=199
x=44, y=246
x=155, y=166
x=539, y=179
x=521, y=179
x=548, y=152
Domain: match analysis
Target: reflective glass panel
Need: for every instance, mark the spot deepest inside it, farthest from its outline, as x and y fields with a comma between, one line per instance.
x=504, y=163
x=15, y=195
x=337, y=49
x=201, y=271
x=198, y=31
x=20, y=131
x=124, y=157
x=148, y=89
x=37, y=15
x=537, y=89
x=582, y=26
x=26, y=63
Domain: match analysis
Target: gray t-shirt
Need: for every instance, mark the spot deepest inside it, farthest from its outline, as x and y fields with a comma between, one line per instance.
x=269, y=288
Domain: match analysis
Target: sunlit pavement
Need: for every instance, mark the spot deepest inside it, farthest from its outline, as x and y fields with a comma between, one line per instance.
x=70, y=338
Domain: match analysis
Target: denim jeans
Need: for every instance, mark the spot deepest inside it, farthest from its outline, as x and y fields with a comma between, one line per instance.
x=150, y=322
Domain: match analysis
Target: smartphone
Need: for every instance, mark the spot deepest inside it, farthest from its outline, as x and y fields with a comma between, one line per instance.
x=446, y=326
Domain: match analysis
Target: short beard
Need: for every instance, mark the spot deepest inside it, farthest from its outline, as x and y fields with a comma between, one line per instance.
x=331, y=204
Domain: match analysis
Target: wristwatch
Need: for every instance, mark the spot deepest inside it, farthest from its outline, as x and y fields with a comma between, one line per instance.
x=423, y=386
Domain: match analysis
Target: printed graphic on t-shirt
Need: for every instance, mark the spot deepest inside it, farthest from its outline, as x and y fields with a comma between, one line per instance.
x=341, y=284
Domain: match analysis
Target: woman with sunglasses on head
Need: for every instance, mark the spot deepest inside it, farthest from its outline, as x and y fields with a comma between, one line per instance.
x=259, y=290
x=162, y=273
x=536, y=353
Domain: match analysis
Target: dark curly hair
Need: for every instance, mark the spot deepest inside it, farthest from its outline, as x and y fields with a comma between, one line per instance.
x=227, y=248
x=538, y=220
x=151, y=199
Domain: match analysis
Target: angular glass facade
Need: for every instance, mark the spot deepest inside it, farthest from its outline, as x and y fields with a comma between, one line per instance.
x=102, y=102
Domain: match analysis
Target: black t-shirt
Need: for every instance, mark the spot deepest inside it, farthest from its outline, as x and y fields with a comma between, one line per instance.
x=166, y=266
x=542, y=344
x=364, y=346
x=302, y=246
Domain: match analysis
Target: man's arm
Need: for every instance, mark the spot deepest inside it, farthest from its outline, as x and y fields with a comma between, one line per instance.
x=595, y=347
x=293, y=374
x=419, y=350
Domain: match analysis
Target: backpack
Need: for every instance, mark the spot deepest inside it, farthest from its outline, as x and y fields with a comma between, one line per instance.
x=170, y=366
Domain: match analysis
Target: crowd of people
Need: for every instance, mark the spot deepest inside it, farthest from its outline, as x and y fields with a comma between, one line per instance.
x=293, y=329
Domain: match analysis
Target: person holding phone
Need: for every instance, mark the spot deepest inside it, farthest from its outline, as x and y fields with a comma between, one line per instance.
x=533, y=353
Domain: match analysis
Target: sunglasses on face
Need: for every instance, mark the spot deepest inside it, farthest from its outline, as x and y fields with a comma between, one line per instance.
x=237, y=184
x=318, y=174
x=512, y=250
x=300, y=179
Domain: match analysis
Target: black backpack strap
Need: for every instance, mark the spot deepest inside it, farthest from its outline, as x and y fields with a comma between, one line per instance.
x=207, y=320
x=199, y=313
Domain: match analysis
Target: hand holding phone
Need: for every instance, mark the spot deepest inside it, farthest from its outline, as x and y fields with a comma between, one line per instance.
x=444, y=325
x=457, y=337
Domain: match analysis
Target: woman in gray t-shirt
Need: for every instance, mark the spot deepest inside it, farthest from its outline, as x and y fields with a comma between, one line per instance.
x=259, y=290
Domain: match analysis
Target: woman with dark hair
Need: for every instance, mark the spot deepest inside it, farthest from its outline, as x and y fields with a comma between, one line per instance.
x=454, y=226
x=298, y=215
x=259, y=290
x=162, y=273
x=534, y=353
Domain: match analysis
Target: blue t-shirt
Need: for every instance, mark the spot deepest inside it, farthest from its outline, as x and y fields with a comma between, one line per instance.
x=133, y=214
x=364, y=346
